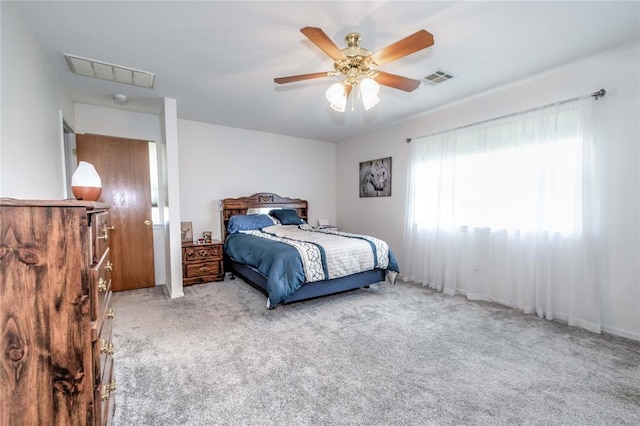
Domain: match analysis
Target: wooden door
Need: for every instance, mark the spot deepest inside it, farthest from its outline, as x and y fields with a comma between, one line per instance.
x=123, y=166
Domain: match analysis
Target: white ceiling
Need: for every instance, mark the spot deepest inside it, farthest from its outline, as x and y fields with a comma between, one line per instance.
x=218, y=58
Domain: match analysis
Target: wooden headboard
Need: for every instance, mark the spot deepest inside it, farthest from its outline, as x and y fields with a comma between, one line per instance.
x=234, y=206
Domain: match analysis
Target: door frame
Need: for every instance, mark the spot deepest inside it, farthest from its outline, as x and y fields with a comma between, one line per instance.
x=67, y=147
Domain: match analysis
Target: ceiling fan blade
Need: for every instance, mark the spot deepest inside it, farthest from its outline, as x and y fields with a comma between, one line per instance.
x=320, y=39
x=292, y=78
x=408, y=45
x=397, y=81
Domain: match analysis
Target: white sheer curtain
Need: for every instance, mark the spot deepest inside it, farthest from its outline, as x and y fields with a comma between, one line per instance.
x=509, y=211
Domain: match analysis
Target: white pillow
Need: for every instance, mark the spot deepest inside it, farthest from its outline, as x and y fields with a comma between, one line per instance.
x=262, y=210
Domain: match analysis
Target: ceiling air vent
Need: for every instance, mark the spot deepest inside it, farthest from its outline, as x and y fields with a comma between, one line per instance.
x=106, y=71
x=438, y=76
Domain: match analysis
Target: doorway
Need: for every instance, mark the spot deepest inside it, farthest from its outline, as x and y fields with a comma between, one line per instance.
x=123, y=166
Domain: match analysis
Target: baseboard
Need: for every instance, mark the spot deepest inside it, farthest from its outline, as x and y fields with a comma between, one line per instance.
x=167, y=292
x=621, y=333
x=177, y=295
x=557, y=316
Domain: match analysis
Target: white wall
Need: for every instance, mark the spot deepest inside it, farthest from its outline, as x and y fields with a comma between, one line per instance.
x=117, y=122
x=619, y=73
x=32, y=96
x=218, y=162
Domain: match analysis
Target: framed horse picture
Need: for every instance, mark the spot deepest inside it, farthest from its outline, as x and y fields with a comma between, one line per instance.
x=375, y=178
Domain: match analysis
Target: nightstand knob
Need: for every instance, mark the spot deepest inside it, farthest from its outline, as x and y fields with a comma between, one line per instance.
x=202, y=252
x=108, y=266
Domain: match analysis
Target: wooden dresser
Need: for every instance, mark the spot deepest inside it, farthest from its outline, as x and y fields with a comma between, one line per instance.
x=56, y=353
x=202, y=263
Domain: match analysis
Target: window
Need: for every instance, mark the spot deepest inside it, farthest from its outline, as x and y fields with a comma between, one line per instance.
x=502, y=177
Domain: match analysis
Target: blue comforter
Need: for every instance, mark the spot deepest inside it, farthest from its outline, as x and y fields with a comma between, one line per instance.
x=282, y=264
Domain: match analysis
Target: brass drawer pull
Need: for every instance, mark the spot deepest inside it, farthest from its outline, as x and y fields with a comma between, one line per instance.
x=111, y=313
x=102, y=285
x=106, y=347
x=112, y=386
x=105, y=232
x=202, y=252
x=204, y=268
x=108, y=266
x=104, y=395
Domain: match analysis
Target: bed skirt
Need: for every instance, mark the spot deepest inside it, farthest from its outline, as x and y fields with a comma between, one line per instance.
x=313, y=289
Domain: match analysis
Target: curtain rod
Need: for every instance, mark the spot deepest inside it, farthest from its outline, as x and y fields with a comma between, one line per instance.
x=599, y=94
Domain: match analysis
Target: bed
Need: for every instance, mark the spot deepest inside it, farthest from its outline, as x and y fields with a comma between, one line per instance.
x=288, y=260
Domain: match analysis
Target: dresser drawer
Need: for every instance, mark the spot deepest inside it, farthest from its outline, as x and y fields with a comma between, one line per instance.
x=200, y=253
x=102, y=346
x=104, y=395
x=101, y=284
x=105, y=347
x=202, y=269
x=99, y=235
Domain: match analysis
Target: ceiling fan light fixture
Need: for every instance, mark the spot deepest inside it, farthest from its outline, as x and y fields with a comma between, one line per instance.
x=337, y=97
x=360, y=66
x=369, y=89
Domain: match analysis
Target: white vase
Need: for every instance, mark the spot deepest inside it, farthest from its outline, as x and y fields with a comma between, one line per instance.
x=86, y=183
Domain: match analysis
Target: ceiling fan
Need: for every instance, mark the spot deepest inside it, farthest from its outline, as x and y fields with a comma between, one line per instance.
x=360, y=66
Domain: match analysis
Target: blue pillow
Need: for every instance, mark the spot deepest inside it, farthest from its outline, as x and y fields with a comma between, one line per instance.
x=249, y=222
x=287, y=216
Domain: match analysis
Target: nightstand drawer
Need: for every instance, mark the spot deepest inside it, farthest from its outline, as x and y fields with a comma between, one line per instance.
x=200, y=253
x=202, y=269
x=101, y=284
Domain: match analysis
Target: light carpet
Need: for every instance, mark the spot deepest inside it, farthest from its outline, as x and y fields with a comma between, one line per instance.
x=387, y=355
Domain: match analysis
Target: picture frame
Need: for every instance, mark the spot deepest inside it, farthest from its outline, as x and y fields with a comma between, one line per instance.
x=375, y=178
x=186, y=232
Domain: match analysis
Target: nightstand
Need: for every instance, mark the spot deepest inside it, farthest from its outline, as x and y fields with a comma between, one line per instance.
x=202, y=263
